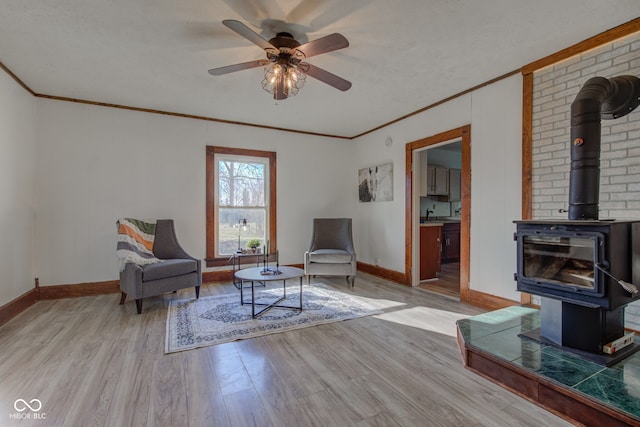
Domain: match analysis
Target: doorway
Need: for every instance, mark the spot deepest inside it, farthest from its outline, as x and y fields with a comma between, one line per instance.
x=454, y=273
x=439, y=212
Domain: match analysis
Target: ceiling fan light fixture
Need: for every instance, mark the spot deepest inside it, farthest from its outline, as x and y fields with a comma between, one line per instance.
x=283, y=80
x=285, y=71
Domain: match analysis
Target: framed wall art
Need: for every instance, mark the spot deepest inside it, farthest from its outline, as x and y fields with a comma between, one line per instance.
x=375, y=183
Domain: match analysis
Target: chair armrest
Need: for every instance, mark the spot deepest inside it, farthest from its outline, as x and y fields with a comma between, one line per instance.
x=131, y=280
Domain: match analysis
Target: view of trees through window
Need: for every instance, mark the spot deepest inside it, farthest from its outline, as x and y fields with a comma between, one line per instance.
x=241, y=195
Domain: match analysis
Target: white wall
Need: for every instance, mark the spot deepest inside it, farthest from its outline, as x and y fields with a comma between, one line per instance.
x=17, y=194
x=496, y=186
x=97, y=164
x=379, y=234
x=494, y=113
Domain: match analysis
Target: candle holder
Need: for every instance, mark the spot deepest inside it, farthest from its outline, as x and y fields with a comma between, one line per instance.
x=242, y=225
x=265, y=263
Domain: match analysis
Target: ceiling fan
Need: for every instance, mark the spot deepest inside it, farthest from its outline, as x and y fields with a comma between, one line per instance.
x=285, y=69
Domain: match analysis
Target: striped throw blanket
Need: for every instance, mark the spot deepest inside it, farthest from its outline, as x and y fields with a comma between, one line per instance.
x=135, y=241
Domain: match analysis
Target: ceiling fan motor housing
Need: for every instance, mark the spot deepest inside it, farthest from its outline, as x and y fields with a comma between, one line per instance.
x=284, y=40
x=286, y=52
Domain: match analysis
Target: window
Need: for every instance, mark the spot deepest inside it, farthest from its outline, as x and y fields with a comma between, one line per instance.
x=240, y=185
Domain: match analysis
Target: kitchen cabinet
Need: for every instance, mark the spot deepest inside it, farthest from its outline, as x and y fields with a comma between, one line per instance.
x=454, y=185
x=438, y=181
x=424, y=180
x=434, y=181
x=430, y=251
x=450, y=242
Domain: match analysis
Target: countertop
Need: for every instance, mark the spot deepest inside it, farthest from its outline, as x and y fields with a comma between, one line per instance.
x=439, y=222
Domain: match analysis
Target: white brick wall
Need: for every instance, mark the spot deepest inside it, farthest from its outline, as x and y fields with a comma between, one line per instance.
x=554, y=89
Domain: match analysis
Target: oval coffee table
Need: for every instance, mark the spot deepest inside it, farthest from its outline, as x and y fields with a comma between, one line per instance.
x=255, y=275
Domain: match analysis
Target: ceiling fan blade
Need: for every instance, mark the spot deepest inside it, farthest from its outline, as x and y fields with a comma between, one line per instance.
x=326, y=77
x=237, y=67
x=248, y=33
x=324, y=44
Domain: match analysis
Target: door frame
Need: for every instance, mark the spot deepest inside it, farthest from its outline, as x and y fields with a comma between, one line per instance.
x=463, y=133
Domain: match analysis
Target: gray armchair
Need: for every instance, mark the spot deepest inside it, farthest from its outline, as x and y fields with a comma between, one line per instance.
x=331, y=251
x=177, y=270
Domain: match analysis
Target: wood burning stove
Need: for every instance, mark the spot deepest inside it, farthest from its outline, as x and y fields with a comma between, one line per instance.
x=566, y=263
x=565, y=260
x=584, y=269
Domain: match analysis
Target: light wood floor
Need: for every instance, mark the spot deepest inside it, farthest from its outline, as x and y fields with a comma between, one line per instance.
x=92, y=362
x=448, y=281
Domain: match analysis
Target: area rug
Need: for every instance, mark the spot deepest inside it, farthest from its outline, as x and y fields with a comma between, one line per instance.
x=219, y=319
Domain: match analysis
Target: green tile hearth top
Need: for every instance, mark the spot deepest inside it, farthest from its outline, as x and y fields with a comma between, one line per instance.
x=497, y=333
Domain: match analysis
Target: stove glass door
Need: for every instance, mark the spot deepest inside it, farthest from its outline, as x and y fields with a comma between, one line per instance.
x=560, y=260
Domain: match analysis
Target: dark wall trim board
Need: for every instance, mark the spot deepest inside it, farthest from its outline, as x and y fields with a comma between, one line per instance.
x=17, y=306
x=484, y=300
x=385, y=273
x=78, y=290
x=40, y=293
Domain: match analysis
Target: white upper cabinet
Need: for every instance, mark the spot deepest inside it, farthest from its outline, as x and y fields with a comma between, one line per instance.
x=438, y=181
x=454, y=185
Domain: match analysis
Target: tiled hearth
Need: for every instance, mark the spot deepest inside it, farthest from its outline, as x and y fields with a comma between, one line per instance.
x=558, y=380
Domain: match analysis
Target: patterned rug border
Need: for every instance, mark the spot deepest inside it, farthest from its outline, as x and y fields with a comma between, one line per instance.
x=252, y=328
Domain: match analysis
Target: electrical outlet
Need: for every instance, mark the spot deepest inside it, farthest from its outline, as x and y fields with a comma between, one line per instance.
x=434, y=206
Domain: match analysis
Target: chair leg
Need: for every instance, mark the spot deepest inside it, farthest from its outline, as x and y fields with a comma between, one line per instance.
x=122, y=298
x=139, y=305
x=197, y=292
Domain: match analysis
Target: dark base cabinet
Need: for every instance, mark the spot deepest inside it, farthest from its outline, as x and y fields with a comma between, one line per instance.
x=429, y=252
x=450, y=242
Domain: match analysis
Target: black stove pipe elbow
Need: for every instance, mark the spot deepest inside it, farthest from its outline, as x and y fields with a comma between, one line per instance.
x=599, y=98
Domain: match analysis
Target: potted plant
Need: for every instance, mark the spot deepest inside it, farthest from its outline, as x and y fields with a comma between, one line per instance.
x=253, y=244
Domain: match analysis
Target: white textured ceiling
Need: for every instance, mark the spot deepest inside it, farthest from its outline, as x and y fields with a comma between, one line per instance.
x=403, y=54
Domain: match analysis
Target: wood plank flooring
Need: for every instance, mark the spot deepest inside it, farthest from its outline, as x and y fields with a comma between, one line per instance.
x=92, y=362
x=448, y=281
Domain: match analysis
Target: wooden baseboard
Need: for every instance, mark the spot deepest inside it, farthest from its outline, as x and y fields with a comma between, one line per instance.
x=17, y=306
x=217, y=276
x=78, y=290
x=486, y=301
x=394, y=276
x=13, y=308
x=385, y=273
x=467, y=296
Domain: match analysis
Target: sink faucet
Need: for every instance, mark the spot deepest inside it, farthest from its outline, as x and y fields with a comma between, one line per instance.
x=429, y=211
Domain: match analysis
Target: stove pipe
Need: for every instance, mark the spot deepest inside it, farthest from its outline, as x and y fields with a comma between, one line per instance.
x=599, y=98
